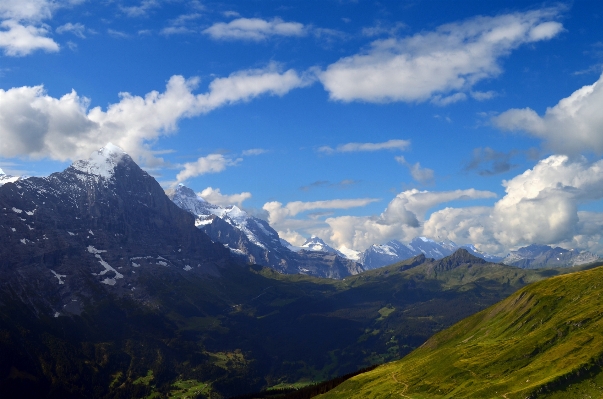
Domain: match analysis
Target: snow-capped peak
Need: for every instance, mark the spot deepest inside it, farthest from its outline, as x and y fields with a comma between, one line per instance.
x=4, y=178
x=350, y=253
x=316, y=244
x=102, y=162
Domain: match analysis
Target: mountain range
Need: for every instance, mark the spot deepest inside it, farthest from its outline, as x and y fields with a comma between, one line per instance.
x=535, y=256
x=108, y=288
x=256, y=241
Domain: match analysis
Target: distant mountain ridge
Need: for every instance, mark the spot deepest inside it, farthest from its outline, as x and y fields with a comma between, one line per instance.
x=394, y=251
x=255, y=241
x=537, y=256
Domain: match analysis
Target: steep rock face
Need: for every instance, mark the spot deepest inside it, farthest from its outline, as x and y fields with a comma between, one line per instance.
x=536, y=256
x=95, y=228
x=245, y=235
x=459, y=258
x=255, y=241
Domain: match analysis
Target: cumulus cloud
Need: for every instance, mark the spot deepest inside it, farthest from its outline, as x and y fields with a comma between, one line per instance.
x=570, y=127
x=402, y=218
x=540, y=206
x=215, y=196
x=21, y=29
x=440, y=65
x=212, y=163
x=36, y=125
x=254, y=29
x=27, y=10
x=422, y=175
x=19, y=40
x=358, y=147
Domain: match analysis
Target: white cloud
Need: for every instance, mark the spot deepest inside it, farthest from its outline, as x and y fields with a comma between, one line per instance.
x=570, y=127
x=77, y=29
x=179, y=25
x=444, y=62
x=382, y=28
x=447, y=100
x=117, y=33
x=212, y=163
x=27, y=10
x=278, y=213
x=254, y=151
x=21, y=29
x=422, y=175
x=175, y=30
x=254, y=29
x=357, y=147
x=540, y=206
x=214, y=196
x=141, y=10
x=36, y=125
x=401, y=219
x=21, y=40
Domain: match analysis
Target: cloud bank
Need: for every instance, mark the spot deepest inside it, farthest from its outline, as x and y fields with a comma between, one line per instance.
x=540, y=206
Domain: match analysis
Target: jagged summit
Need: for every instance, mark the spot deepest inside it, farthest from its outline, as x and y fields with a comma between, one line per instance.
x=458, y=258
x=102, y=162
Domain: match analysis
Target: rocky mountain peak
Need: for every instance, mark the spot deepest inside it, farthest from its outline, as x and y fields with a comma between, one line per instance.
x=458, y=258
x=102, y=162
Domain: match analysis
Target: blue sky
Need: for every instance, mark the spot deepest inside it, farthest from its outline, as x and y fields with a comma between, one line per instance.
x=357, y=121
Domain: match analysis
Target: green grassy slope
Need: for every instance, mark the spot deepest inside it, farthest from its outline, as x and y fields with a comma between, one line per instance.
x=546, y=340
